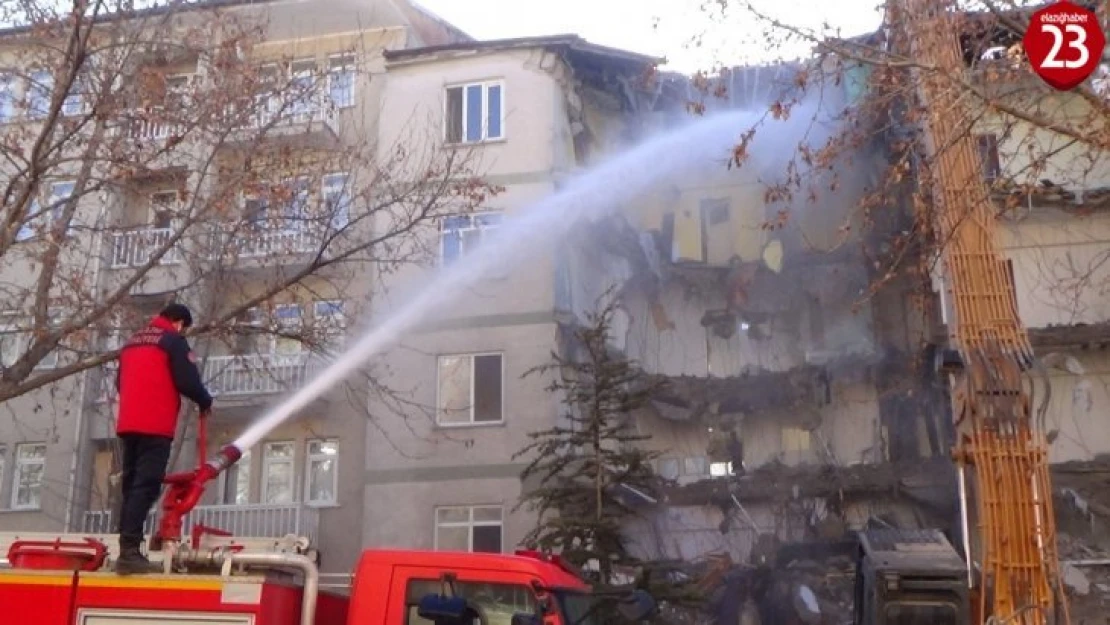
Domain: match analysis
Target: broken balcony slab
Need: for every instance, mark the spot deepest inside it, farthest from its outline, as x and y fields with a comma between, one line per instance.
x=1078, y=336
x=929, y=480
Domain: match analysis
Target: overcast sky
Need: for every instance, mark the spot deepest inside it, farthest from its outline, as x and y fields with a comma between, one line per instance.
x=658, y=27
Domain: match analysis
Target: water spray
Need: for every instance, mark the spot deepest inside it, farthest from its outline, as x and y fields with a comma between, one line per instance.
x=597, y=192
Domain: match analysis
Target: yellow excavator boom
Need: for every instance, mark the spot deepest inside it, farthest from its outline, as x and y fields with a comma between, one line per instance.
x=999, y=443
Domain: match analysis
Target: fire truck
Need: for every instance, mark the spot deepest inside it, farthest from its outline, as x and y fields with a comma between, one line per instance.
x=67, y=581
x=218, y=579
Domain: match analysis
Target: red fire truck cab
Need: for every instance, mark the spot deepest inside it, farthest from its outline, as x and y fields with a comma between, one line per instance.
x=67, y=581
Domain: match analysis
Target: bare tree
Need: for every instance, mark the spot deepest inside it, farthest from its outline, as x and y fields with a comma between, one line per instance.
x=173, y=153
x=1037, y=146
x=169, y=154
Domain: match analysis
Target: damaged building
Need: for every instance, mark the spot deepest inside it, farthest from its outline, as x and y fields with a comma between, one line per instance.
x=787, y=382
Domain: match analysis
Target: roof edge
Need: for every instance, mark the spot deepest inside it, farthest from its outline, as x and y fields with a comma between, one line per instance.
x=569, y=40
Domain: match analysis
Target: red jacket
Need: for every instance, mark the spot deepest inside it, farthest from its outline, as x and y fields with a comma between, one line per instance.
x=156, y=367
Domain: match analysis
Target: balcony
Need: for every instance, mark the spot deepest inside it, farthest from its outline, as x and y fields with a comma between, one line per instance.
x=135, y=247
x=247, y=520
x=275, y=116
x=254, y=242
x=257, y=374
x=317, y=111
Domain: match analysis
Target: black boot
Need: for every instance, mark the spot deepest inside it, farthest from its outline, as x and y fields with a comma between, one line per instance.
x=132, y=561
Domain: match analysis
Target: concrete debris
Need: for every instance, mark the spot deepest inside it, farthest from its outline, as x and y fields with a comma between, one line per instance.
x=1075, y=579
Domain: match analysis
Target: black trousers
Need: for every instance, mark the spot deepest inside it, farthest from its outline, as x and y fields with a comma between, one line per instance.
x=144, y=466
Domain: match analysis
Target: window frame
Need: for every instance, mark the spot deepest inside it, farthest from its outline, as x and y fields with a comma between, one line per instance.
x=485, y=84
x=439, y=390
x=470, y=524
x=348, y=64
x=235, y=470
x=18, y=466
x=344, y=195
x=309, y=459
x=483, y=230
x=267, y=462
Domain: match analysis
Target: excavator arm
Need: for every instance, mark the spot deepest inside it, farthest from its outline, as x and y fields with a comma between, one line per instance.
x=1001, y=450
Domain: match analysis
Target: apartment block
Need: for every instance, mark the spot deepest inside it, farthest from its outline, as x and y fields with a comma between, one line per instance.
x=222, y=215
x=789, y=406
x=532, y=112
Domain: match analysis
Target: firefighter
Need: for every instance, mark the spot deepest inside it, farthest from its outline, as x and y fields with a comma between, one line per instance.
x=156, y=367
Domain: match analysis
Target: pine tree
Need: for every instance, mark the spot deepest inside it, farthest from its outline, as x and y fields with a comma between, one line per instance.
x=586, y=466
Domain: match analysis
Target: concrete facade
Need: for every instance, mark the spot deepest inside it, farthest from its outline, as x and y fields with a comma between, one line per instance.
x=58, y=458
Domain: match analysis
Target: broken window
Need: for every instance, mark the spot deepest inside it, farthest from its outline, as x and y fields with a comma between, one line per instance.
x=474, y=112
x=988, y=156
x=470, y=389
x=461, y=234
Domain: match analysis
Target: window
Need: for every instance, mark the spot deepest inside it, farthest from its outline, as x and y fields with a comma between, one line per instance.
x=30, y=464
x=667, y=468
x=469, y=528
x=498, y=601
x=696, y=465
x=12, y=341
x=163, y=209
x=330, y=321
x=720, y=469
x=237, y=482
x=39, y=91
x=74, y=104
x=337, y=201
x=322, y=477
x=294, y=198
x=462, y=233
x=38, y=217
x=475, y=112
x=988, y=156
x=7, y=98
x=277, y=473
x=303, y=88
x=470, y=389
x=341, y=81
x=54, y=320
x=287, y=329
x=795, y=440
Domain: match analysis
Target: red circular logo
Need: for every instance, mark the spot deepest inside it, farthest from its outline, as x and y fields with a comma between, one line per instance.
x=1064, y=43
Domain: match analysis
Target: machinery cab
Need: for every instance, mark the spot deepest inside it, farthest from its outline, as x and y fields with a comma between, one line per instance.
x=909, y=577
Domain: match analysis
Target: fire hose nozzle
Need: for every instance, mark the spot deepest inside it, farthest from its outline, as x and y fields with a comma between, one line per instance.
x=186, y=489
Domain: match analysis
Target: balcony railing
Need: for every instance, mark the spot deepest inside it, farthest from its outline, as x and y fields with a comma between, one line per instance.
x=135, y=247
x=246, y=520
x=277, y=114
x=257, y=374
x=245, y=241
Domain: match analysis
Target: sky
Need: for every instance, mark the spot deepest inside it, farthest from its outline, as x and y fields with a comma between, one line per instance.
x=665, y=28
